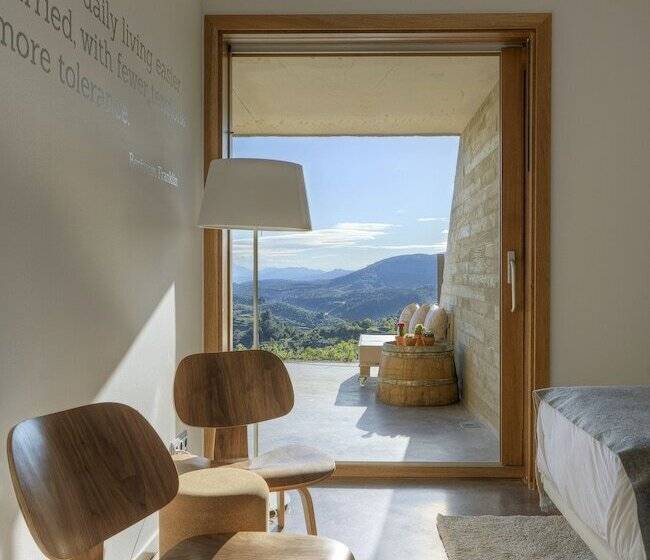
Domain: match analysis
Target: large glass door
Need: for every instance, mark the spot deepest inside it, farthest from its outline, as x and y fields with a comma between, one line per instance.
x=426, y=219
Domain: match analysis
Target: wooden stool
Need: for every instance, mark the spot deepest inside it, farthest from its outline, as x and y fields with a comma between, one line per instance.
x=212, y=501
x=370, y=353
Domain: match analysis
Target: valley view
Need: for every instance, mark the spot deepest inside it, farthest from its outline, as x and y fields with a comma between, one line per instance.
x=316, y=315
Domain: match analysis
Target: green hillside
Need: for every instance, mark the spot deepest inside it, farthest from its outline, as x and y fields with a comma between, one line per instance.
x=322, y=319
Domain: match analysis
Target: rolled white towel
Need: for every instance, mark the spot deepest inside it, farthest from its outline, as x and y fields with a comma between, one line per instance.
x=418, y=317
x=407, y=313
x=436, y=321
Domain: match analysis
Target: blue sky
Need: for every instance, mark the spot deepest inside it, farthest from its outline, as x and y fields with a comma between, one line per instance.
x=369, y=197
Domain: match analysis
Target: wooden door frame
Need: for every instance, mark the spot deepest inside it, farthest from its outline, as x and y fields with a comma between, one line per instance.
x=531, y=29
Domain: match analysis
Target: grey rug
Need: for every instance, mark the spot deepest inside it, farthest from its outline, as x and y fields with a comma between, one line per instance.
x=491, y=537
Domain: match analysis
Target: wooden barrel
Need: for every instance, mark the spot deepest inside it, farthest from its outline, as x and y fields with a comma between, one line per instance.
x=417, y=375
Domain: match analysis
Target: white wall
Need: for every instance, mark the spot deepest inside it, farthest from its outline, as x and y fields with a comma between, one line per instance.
x=100, y=263
x=600, y=240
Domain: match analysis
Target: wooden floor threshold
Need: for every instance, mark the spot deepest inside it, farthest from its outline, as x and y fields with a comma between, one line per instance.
x=352, y=470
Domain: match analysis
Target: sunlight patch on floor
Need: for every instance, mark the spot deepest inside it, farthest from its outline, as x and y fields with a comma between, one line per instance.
x=333, y=412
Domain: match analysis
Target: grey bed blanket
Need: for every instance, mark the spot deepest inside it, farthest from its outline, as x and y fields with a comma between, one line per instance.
x=619, y=418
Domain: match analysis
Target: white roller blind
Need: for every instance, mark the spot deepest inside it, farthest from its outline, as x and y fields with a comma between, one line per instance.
x=366, y=95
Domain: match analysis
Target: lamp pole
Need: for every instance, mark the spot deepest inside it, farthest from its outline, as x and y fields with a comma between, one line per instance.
x=258, y=195
x=256, y=326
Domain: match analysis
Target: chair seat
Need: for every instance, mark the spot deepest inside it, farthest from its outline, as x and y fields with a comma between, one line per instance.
x=268, y=546
x=284, y=468
x=290, y=467
x=214, y=501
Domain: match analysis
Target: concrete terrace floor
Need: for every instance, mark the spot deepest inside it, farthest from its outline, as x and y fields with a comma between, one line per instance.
x=397, y=520
x=334, y=413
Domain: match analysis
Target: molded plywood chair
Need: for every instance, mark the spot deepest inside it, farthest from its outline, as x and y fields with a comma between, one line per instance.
x=229, y=389
x=83, y=475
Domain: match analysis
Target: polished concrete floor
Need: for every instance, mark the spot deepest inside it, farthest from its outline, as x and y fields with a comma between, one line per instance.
x=333, y=411
x=394, y=521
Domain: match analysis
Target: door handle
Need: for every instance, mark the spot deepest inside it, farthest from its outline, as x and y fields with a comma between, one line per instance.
x=512, y=279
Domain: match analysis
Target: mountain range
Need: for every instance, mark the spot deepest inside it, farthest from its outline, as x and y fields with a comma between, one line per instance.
x=297, y=273
x=376, y=291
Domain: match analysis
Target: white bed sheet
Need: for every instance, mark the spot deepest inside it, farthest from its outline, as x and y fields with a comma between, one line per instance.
x=591, y=481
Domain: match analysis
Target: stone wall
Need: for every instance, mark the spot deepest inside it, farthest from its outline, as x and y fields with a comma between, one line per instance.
x=470, y=286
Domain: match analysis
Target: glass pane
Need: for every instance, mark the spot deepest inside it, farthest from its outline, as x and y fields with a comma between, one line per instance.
x=242, y=293
x=381, y=210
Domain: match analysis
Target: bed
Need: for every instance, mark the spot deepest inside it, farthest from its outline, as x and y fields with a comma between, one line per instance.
x=593, y=464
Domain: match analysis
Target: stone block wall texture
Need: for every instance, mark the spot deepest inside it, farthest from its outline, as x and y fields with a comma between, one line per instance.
x=470, y=286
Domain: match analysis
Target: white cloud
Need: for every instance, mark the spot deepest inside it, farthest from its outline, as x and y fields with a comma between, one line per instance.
x=445, y=232
x=442, y=246
x=345, y=234
x=267, y=251
x=437, y=246
x=330, y=247
x=369, y=226
x=433, y=219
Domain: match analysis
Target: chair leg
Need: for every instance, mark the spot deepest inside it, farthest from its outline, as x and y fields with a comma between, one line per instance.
x=280, y=510
x=308, y=510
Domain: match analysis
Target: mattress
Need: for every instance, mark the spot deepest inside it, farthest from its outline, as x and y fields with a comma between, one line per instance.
x=590, y=481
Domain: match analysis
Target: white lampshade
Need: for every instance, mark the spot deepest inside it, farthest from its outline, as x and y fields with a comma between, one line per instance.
x=260, y=194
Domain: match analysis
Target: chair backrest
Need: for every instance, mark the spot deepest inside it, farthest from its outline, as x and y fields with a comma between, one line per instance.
x=228, y=389
x=85, y=474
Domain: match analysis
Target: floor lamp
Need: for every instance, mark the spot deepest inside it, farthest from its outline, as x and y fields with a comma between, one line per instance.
x=255, y=194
